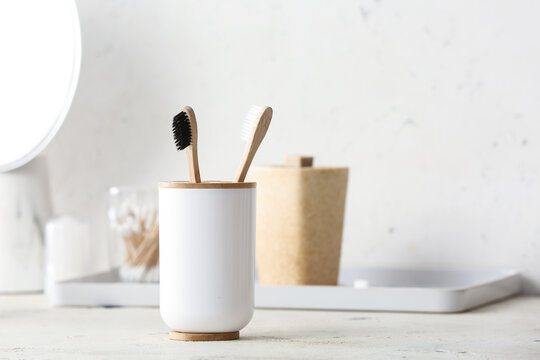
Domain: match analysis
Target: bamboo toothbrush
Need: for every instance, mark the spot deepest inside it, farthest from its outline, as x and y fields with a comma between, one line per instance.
x=185, y=136
x=254, y=128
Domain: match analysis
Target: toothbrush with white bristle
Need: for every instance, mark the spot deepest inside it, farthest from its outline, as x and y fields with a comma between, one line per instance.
x=254, y=129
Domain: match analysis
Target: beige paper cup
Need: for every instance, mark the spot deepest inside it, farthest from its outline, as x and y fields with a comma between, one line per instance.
x=300, y=211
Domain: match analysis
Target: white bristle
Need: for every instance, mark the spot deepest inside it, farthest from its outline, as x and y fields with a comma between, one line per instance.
x=249, y=122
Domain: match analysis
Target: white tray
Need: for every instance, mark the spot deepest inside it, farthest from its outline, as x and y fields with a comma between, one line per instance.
x=381, y=290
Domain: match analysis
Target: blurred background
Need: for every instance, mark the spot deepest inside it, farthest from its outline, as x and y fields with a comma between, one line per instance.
x=434, y=106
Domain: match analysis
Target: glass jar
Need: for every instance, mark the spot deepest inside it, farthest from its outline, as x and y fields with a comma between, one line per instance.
x=134, y=229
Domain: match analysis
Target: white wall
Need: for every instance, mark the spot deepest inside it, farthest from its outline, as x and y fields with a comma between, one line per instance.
x=434, y=105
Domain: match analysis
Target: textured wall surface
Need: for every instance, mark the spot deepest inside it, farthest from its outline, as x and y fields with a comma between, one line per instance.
x=433, y=105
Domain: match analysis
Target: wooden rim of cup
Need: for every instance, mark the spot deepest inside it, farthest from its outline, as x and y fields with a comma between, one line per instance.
x=207, y=185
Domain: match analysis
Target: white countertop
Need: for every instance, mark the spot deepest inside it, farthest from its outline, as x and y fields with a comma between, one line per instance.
x=31, y=329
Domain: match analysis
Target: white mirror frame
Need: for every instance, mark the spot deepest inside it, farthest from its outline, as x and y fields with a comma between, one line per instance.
x=67, y=103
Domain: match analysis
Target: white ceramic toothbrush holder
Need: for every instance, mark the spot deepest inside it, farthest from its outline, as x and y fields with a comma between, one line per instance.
x=206, y=256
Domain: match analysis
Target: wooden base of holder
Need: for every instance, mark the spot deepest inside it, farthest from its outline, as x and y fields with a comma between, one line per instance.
x=184, y=336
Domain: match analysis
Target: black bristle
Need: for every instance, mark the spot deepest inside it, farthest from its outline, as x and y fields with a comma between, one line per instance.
x=181, y=130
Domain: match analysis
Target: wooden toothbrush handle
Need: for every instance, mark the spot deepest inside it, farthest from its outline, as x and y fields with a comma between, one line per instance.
x=193, y=164
x=245, y=164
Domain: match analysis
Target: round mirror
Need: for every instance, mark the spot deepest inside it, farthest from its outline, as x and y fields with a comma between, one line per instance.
x=39, y=68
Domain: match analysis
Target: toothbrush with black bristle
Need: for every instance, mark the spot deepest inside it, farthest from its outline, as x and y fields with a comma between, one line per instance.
x=185, y=137
x=254, y=129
